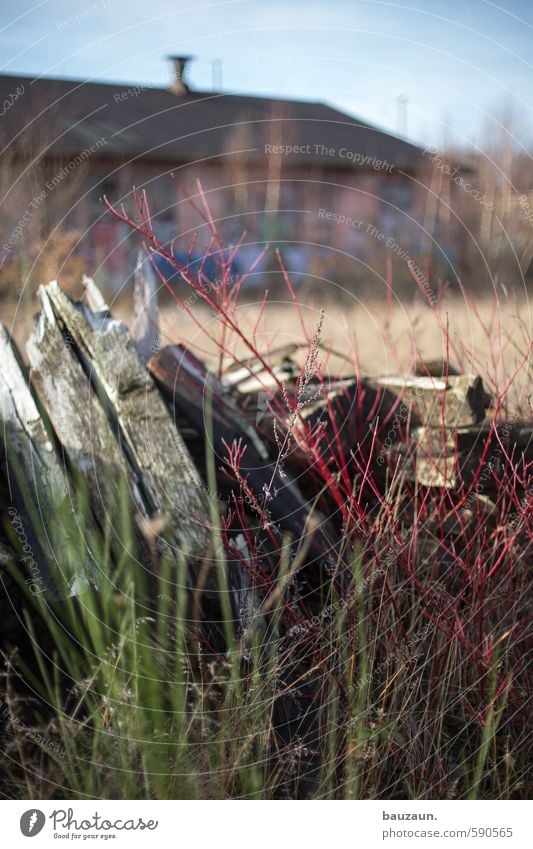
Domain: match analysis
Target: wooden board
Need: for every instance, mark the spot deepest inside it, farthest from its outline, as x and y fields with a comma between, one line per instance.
x=29, y=443
x=37, y=481
x=453, y=401
x=145, y=432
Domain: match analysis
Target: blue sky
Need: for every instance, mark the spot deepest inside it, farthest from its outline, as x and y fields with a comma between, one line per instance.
x=456, y=62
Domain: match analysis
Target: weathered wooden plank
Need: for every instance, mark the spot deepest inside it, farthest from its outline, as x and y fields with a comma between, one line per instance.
x=453, y=401
x=24, y=431
x=95, y=299
x=145, y=326
x=37, y=480
x=170, y=483
x=77, y=416
x=249, y=375
x=436, y=462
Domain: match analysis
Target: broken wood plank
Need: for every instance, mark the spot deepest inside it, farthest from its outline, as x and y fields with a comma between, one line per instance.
x=29, y=443
x=156, y=452
x=453, y=401
x=145, y=326
x=37, y=481
x=249, y=375
x=95, y=299
x=79, y=421
x=436, y=458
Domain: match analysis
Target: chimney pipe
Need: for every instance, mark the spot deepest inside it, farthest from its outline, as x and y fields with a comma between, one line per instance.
x=179, y=65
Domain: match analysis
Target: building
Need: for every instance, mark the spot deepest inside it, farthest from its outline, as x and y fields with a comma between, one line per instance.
x=332, y=189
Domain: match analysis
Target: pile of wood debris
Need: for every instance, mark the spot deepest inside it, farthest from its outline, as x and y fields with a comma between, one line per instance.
x=97, y=405
x=95, y=409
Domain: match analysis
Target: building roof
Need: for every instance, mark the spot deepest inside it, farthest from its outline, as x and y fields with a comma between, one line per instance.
x=66, y=117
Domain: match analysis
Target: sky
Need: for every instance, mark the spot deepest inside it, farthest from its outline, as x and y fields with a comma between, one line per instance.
x=431, y=71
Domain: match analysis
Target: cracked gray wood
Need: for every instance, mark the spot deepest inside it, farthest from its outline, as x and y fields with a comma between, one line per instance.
x=77, y=416
x=38, y=479
x=145, y=327
x=147, y=434
x=24, y=431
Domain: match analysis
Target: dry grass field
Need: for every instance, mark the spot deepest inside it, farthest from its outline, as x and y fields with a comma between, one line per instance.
x=383, y=338
x=491, y=338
